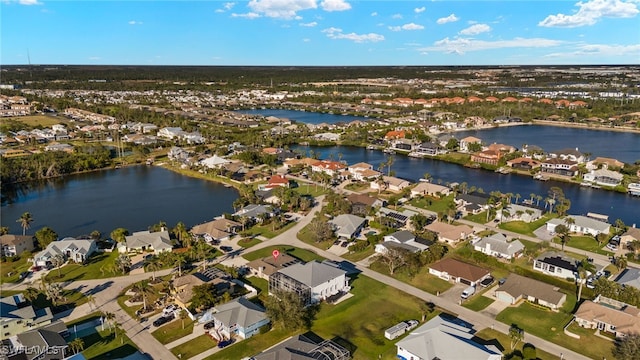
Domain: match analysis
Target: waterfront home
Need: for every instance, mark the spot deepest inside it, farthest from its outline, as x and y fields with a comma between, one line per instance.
x=266, y=266
x=445, y=337
x=634, y=188
x=489, y=157
x=459, y=272
x=496, y=245
x=429, y=148
x=616, y=321
x=404, y=240
x=558, y=166
x=238, y=318
x=515, y=212
x=362, y=172
x=214, y=162
x=18, y=316
x=523, y=163
x=347, y=226
x=632, y=234
x=604, y=163
x=327, y=136
x=573, y=155
x=518, y=287
x=402, y=144
x=313, y=281
x=304, y=162
x=361, y=204
x=59, y=147
x=556, y=264
x=501, y=148
x=157, y=242
x=603, y=177
x=76, y=250
x=331, y=168
x=443, y=140
x=390, y=183
x=216, y=230
x=13, y=245
x=450, y=234
x=395, y=134
x=429, y=189
x=465, y=142
x=473, y=203
x=580, y=224
x=305, y=346
x=256, y=212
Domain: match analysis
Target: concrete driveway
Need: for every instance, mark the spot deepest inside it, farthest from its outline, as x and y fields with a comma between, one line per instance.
x=453, y=294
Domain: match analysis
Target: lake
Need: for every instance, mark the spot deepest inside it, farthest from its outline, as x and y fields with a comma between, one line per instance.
x=133, y=198
x=304, y=116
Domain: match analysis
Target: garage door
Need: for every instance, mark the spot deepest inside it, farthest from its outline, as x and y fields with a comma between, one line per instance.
x=465, y=281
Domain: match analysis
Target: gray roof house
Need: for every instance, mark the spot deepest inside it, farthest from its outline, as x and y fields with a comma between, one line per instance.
x=630, y=277
x=520, y=212
x=347, y=226
x=254, y=211
x=77, y=250
x=497, y=245
x=518, y=287
x=312, y=281
x=40, y=344
x=582, y=224
x=17, y=317
x=239, y=317
x=403, y=239
x=307, y=346
x=445, y=338
x=145, y=240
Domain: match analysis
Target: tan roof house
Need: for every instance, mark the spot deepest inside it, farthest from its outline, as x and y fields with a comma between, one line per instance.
x=604, y=318
x=183, y=285
x=216, y=230
x=448, y=233
x=518, y=287
x=390, y=183
x=425, y=188
x=264, y=267
x=13, y=245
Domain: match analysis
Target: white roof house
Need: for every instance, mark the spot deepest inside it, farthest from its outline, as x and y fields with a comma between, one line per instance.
x=582, y=224
x=214, y=161
x=347, y=225
x=603, y=177
x=497, y=245
x=444, y=338
x=403, y=239
x=145, y=240
x=520, y=212
x=77, y=250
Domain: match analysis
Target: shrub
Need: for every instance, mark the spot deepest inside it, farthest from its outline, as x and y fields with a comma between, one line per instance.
x=529, y=352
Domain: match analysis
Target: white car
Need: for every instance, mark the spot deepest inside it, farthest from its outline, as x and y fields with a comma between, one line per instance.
x=170, y=309
x=611, y=246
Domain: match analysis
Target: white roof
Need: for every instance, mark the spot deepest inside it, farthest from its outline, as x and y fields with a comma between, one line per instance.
x=312, y=273
x=583, y=222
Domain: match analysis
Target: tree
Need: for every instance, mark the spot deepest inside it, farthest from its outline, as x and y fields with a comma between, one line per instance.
x=4, y=230
x=110, y=318
x=563, y=233
x=628, y=347
x=180, y=231
x=584, y=268
x=76, y=345
x=95, y=235
x=45, y=236
x=25, y=221
x=621, y=262
x=53, y=292
x=143, y=289
x=179, y=260
x=153, y=265
x=320, y=230
x=204, y=296
x=516, y=334
x=620, y=226
x=529, y=352
x=91, y=300
x=123, y=263
x=31, y=294
x=601, y=237
x=394, y=258
x=119, y=234
x=182, y=314
x=419, y=221
x=287, y=309
x=390, y=161
x=57, y=261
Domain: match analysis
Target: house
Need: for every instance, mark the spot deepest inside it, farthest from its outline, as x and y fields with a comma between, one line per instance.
x=59, y=147
x=327, y=136
x=395, y=218
x=629, y=277
x=170, y=133
x=429, y=148
x=13, y=245
x=363, y=172
x=445, y=337
x=464, y=143
x=76, y=250
x=239, y=318
x=556, y=264
x=214, y=162
x=405, y=240
x=148, y=241
x=266, y=266
x=17, y=316
x=558, y=166
x=517, y=212
x=183, y=285
x=496, y=245
x=426, y=188
x=523, y=163
x=330, y=168
x=632, y=234
x=604, y=163
x=489, y=157
x=457, y=271
x=473, y=203
x=306, y=346
x=390, y=183
x=573, y=155
x=313, y=281
x=216, y=230
x=580, y=224
x=450, y=234
x=518, y=287
x=618, y=322
x=402, y=144
x=395, y=134
x=501, y=148
x=274, y=182
x=39, y=344
x=255, y=212
x=347, y=226
x=603, y=177
x=361, y=204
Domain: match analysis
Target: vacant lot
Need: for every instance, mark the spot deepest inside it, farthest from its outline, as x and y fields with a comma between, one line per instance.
x=37, y=120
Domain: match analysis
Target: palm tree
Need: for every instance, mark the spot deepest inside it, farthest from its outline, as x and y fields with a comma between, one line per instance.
x=25, y=221
x=91, y=300
x=563, y=233
x=180, y=231
x=183, y=315
x=532, y=195
x=76, y=345
x=154, y=265
x=31, y=294
x=110, y=318
x=4, y=230
x=143, y=289
x=518, y=196
x=621, y=262
x=390, y=161
x=179, y=260
x=538, y=198
x=57, y=261
x=584, y=267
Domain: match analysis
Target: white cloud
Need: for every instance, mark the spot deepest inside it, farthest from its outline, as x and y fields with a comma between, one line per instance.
x=448, y=19
x=419, y=10
x=591, y=11
x=599, y=50
x=306, y=40
x=94, y=58
x=311, y=24
x=374, y=13
x=29, y=2
x=409, y=27
x=396, y=16
x=283, y=9
x=463, y=45
x=249, y=15
x=475, y=29
x=226, y=7
x=133, y=22
x=337, y=34
x=335, y=5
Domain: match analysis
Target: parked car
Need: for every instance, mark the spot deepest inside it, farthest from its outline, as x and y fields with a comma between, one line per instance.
x=502, y=281
x=210, y=325
x=612, y=246
x=170, y=309
x=225, y=343
x=486, y=282
x=163, y=320
x=226, y=248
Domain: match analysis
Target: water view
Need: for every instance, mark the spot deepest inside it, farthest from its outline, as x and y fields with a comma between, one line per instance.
x=133, y=198
x=305, y=116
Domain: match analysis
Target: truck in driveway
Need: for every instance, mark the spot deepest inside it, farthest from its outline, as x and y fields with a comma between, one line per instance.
x=466, y=293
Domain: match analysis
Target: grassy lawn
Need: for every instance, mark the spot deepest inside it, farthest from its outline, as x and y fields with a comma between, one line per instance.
x=248, y=242
x=105, y=345
x=480, y=218
x=70, y=299
x=309, y=189
x=260, y=284
x=525, y=228
x=267, y=230
x=433, y=203
x=358, y=186
x=478, y=303
x=422, y=280
x=95, y=268
x=194, y=347
x=251, y=346
x=587, y=243
x=357, y=256
x=37, y=120
x=549, y=326
x=302, y=254
x=503, y=342
x=10, y=270
x=173, y=331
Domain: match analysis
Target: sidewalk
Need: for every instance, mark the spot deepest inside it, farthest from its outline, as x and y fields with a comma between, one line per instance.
x=198, y=329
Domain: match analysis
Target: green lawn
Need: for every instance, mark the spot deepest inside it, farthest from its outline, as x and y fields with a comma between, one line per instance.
x=248, y=242
x=260, y=284
x=549, y=326
x=71, y=299
x=267, y=230
x=478, y=303
x=433, y=203
x=358, y=186
x=503, y=342
x=304, y=235
x=251, y=346
x=359, y=255
x=194, y=347
x=38, y=120
x=173, y=331
x=105, y=345
x=302, y=254
x=309, y=189
x=422, y=280
x=95, y=268
x=480, y=218
x=587, y=243
x=10, y=270
x=525, y=228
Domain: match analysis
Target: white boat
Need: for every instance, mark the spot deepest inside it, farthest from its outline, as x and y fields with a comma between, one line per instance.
x=388, y=151
x=423, y=180
x=415, y=155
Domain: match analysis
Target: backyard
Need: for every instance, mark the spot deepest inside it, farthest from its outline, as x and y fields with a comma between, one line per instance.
x=99, y=266
x=422, y=279
x=102, y=344
x=194, y=347
x=10, y=270
x=503, y=342
x=525, y=228
x=433, y=203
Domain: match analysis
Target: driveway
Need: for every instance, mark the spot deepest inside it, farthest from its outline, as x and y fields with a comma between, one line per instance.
x=453, y=294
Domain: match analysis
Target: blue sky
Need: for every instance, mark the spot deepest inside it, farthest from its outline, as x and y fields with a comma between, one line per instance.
x=320, y=32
